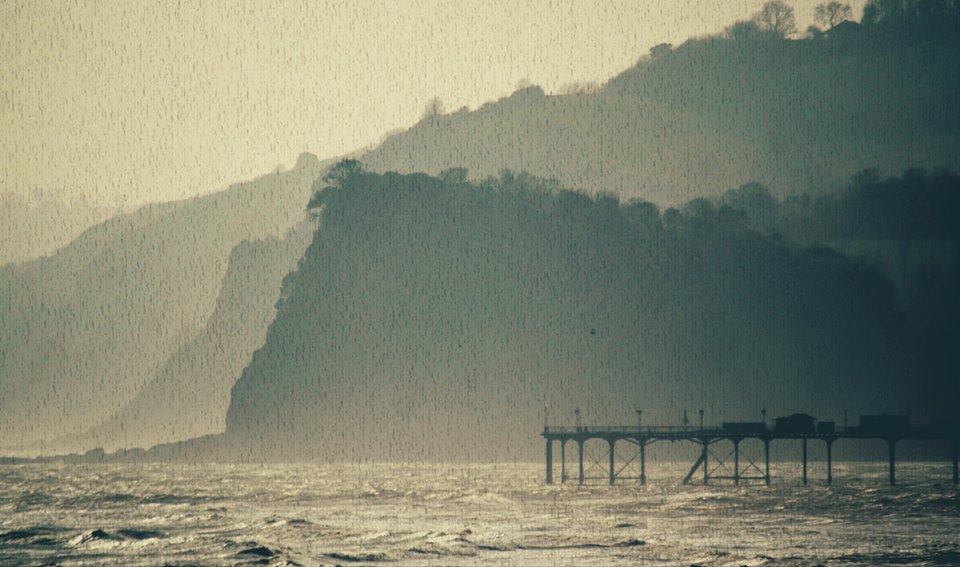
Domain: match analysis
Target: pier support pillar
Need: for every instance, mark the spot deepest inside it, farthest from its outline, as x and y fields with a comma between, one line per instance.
x=580, y=458
x=956, y=462
x=563, y=461
x=829, y=461
x=736, y=461
x=892, y=444
x=549, y=461
x=766, y=461
x=704, y=455
x=613, y=462
x=804, y=461
x=643, y=461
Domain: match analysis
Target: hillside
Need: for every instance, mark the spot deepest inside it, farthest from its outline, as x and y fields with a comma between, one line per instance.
x=38, y=225
x=714, y=113
x=189, y=395
x=434, y=319
x=82, y=331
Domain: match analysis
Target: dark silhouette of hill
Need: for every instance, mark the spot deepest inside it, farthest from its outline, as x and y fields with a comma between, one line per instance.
x=917, y=205
x=897, y=224
x=82, y=331
x=905, y=226
x=717, y=112
x=434, y=318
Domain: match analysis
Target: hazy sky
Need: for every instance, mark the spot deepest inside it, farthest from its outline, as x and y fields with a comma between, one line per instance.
x=155, y=101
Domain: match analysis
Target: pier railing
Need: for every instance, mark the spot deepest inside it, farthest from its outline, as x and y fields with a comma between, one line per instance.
x=567, y=430
x=914, y=432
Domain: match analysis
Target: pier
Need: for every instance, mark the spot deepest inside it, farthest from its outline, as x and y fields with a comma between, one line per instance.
x=720, y=455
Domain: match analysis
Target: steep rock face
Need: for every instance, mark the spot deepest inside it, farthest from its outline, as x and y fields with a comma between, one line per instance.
x=796, y=116
x=82, y=331
x=434, y=319
x=189, y=395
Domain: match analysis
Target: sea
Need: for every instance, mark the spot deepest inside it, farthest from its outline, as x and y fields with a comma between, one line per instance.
x=468, y=514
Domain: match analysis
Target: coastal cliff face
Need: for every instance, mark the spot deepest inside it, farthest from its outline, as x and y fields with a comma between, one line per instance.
x=434, y=318
x=189, y=395
x=83, y=331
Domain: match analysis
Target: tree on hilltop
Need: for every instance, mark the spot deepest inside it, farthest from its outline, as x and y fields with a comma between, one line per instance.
x=832, y=13
x=777, y=17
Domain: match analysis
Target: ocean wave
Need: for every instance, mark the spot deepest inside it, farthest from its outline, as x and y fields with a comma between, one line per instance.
x=359, y=557
x=254, y=553
x=123, y=534
x=28, y=533
x=295, y=522
x=934, y=556
x=135, y=534
x=258, y=551
x=37, y=536
x=584, y=545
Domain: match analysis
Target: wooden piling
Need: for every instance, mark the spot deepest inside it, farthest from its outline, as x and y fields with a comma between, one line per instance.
x=766, y=461
x=829, y=461
x=580, y=458
x=804, y=460
x=563, y=461
x=613, y=462
x=549, y=461
x=643, y=461
x=736, y=461
x=706, y=470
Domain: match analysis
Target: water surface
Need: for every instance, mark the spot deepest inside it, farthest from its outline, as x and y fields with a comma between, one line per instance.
x=466, y=514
